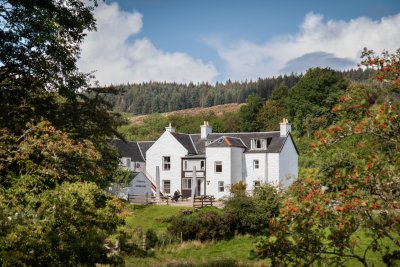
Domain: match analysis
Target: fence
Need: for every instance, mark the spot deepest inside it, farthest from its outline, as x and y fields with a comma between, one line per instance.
x=203, y=201
x=139, y=199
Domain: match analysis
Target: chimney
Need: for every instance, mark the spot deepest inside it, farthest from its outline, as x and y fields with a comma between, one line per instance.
x=205, y=130
x=170, y=128
x=285, y=127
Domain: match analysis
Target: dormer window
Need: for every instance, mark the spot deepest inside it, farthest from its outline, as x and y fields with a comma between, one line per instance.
x=258, y=144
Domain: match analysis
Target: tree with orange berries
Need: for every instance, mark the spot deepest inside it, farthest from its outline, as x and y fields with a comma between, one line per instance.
x=355, y=197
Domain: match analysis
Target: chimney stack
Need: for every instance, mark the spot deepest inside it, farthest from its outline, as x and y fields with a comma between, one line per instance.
x=285, y=127
x=205, y=130
x=170, y=128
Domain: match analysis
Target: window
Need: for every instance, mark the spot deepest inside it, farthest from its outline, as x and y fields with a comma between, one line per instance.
x=167, y=186
x=221, y=187
x=185, y=165
x=166, y=163
x=258, y=144
x=256, y=164
x=218, y=166
x=257, y=184
x=202, y=165
x=128, y=162
x=187, y=183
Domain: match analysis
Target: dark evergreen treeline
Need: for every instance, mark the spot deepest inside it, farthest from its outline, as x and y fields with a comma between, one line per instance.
x=154, y=97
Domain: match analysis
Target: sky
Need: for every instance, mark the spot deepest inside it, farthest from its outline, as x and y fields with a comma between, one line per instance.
x=215, y=40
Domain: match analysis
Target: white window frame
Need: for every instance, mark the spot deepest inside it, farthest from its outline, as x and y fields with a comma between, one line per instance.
x=185, y=165
x=258, y=144
x=256, y=164
x=166, y=189
x=217, y=163
x=166, y=164
x=221, y=186
x=187, y=183
x=202, y=162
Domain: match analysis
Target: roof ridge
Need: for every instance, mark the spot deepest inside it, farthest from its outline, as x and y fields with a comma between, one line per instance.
x=247, y=132
x=141, y=153
x=195, y=148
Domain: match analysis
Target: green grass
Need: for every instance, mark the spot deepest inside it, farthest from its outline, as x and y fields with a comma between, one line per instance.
x=151, y=216
x=221, y=253
x=200, y=254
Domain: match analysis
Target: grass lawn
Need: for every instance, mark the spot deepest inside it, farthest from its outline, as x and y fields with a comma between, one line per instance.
x=151, y=216
x=219, y=253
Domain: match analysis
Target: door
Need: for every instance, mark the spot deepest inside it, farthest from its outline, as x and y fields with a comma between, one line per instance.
x=198, y=189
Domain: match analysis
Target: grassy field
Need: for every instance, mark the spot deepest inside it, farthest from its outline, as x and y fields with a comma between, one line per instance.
x=234, y=252
x=151, y=216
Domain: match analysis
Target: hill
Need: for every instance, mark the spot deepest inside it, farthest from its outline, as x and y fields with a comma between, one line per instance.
x=218, y=110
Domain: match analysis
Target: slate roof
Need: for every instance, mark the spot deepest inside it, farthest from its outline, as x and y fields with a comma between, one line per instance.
x=128, y=149
x=227, y=141
x=144, y=146
x=186, y=141
x=197, y=145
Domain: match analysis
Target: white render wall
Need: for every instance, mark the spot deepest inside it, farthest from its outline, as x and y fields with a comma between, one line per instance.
x=222, y=154
x=273, y=168
x=134, y=166
x=288, y=161
x=140, y=185
x=237, y=164
x=193, y=163
x=166, y=145
x=251, y=175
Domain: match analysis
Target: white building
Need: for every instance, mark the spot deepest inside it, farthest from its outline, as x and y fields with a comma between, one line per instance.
x=220, y=159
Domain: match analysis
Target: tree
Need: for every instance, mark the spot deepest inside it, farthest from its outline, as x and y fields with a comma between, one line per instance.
x=272, y=112
x=54, y=154
x=312, y=98
x=248, y=113
x=360, y=204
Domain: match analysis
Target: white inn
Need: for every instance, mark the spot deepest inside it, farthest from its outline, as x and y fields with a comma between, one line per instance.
x=219, y=160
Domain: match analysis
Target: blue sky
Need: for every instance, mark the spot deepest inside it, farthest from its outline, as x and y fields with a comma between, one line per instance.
x=216, y=40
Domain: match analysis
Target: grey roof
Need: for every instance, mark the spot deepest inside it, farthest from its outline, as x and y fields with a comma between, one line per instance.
x=275, y=142
x=227, y=141
x=128, y=149
x=144, y=146
x=186, y=141
x=200, y=156
x=197, y=146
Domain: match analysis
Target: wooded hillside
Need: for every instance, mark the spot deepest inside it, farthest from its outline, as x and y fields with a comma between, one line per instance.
x=154, y=97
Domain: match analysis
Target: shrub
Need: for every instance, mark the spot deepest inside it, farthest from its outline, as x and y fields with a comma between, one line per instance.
x=204, y=224
x=251, y=214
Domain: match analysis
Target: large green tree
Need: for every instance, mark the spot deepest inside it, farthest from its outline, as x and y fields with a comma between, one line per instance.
x=312, y=98
x=53, y=139
x=248, y=113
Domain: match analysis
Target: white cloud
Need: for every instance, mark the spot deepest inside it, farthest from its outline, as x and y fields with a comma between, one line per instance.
x=116, y=60
x=342, y=40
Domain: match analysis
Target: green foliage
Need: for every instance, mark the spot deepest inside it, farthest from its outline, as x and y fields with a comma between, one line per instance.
x=203, y=224
x=238, y=188
x=251, y=214
x=360, y=166
x=154, y=97
x=248, y=113
x=310, y=101
x=154, y=125
x=54, y=154
x=64, y=226
x=270, y=115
